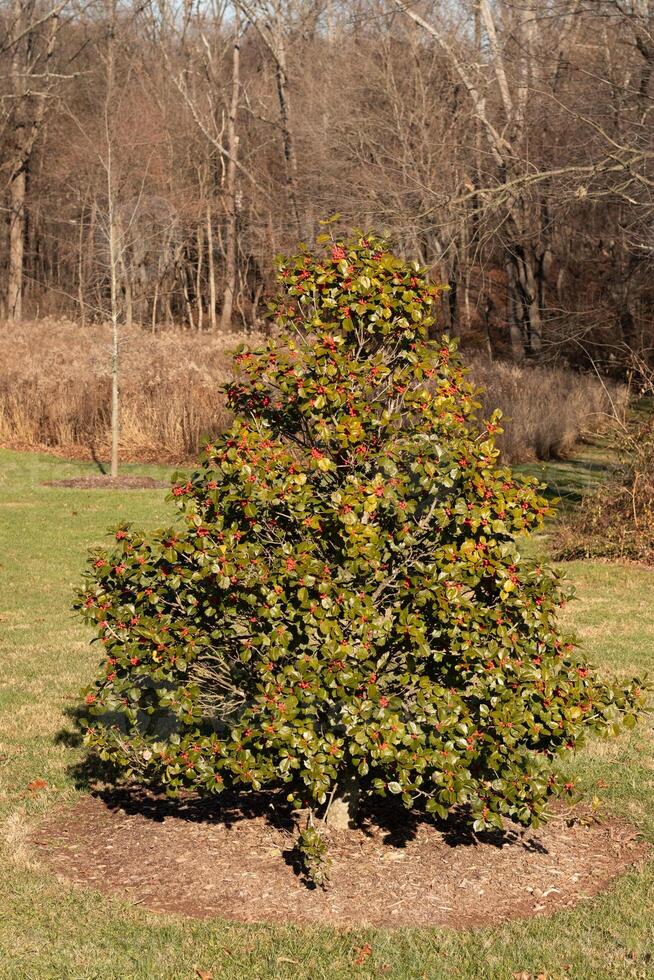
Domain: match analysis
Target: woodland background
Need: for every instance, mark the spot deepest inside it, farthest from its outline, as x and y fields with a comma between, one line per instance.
x=507, y=144
x=156, y=155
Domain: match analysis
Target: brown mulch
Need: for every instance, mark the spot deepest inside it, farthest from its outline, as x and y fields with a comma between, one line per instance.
x=217, y=858
x=100, y=482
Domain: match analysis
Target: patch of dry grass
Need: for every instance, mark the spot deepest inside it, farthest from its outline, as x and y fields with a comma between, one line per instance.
x=546, y=409
x=55, y=393
x=55, y=388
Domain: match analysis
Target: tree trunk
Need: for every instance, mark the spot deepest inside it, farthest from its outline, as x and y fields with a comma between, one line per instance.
x=155, y=304
x=525, y=318
x=17, y=188
x=287, y=137
x=115, y=243
x=16, y=246
x=80, y=268
x=514, y=311
x=344, y=806
x=529, y=290
x=453, y=298
x=185, y=290
x=230, y=190
x=115, y=330
x=26, y=125
x=198, y=276
x=211, y=272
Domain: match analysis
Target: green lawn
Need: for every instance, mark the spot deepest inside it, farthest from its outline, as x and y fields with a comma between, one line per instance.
x=50, y=929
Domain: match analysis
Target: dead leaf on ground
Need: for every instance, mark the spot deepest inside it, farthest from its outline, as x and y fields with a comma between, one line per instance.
x=36, y=785
x=363, y=953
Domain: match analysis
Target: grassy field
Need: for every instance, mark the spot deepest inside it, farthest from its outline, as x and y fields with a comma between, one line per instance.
x=50, y=929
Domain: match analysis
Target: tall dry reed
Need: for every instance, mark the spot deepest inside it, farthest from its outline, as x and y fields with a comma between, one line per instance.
x=55, y=388
x=546, y=409
x=55, y=393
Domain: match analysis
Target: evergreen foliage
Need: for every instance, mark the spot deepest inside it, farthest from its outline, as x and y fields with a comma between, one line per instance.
x=343, y=600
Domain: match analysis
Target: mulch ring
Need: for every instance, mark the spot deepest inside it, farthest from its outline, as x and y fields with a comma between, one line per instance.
x=232, y=860
x=100, y=482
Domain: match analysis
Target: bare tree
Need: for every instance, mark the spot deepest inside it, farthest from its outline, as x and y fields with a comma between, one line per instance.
x=507, y=143
x=114, y=232
x=231, y=191
x=273, y=20
x=32, y=37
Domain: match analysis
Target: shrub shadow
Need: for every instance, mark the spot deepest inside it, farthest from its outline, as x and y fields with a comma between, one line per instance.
x=89, y=771
x=400, y=827
x=397, y=825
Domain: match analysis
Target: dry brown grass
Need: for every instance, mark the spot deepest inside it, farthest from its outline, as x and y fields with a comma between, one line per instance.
x=546, y=409
x=55, y=389
x=55, y=393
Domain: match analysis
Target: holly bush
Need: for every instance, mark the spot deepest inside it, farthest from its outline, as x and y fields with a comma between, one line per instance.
x=342, y=600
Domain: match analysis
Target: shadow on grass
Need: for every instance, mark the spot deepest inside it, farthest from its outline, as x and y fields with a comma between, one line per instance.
x=567, y=482
x=89, y=771
x=98, y=462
